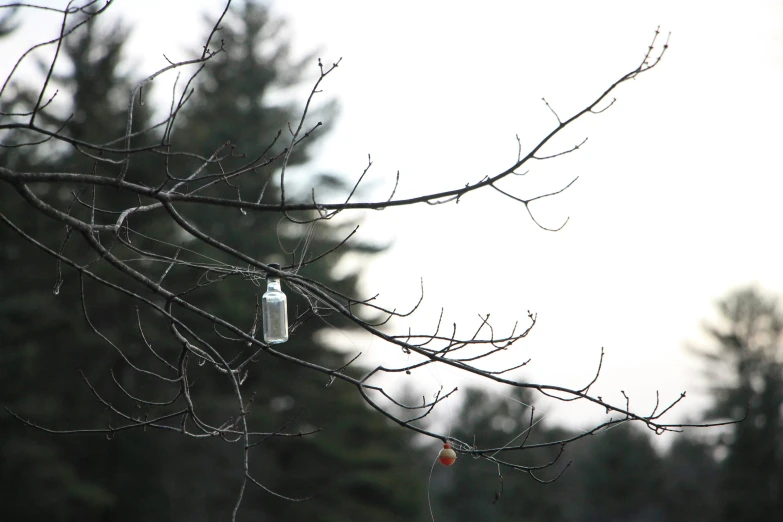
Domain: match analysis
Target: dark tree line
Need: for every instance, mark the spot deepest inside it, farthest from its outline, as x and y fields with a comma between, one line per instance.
x=714, y=475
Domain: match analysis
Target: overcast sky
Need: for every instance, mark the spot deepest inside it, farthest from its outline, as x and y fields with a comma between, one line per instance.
x=677, y=201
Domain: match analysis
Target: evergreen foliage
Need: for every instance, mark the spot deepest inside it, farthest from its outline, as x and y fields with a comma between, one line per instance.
x=617, y=475
x=748, y=365
x=357, y=468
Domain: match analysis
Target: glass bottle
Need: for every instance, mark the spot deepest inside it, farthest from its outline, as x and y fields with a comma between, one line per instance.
x=274, y=310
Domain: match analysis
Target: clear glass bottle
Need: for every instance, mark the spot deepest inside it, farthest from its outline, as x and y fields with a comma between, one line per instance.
x=274, y=310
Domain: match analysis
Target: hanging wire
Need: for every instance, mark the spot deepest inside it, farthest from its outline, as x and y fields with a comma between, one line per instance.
x=429, y=482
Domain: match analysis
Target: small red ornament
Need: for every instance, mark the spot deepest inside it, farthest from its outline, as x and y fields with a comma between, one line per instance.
x=447, y=456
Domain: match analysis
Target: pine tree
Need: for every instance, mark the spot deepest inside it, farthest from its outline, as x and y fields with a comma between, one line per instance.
x=376, y=479
x=160, y=476
x=748, y=372
x=45, y=476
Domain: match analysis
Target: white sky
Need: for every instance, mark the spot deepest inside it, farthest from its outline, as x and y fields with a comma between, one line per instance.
x=677, y=198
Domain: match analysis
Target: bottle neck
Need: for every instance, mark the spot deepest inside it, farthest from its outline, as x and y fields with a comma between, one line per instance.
x=273, y=283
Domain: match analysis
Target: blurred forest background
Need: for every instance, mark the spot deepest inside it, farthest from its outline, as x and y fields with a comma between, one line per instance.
x=359, y=467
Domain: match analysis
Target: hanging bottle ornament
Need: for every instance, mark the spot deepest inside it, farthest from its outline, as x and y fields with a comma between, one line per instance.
x=274, y=310
x=447, y=456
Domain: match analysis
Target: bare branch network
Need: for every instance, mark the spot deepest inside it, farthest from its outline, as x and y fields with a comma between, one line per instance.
x=119, y=265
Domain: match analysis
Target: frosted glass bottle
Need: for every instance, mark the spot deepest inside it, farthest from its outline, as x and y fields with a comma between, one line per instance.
x=274, y=310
